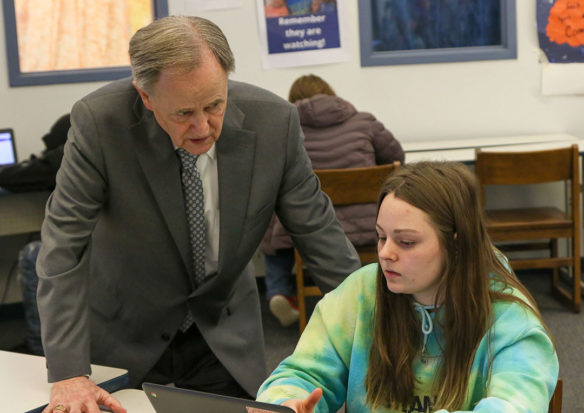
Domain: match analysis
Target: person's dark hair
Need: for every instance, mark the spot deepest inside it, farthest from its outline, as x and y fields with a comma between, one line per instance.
x=38, y=173
x=57, y=136
x=307, y=86
x=177, y=43
x=449, y=194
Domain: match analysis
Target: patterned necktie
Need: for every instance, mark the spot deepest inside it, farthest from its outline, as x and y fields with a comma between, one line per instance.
x=195, y=209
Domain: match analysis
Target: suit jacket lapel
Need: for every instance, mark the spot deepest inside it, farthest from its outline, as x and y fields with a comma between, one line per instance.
x=159, y=162
x=235, y=157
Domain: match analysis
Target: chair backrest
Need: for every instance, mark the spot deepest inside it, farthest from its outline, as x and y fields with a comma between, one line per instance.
x=528, y=167
x=354, y=185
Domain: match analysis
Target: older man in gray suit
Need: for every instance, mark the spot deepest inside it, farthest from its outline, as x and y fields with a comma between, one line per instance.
x=120, y=283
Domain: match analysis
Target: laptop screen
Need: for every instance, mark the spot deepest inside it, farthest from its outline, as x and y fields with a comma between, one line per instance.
x=166, y=399
x=7, y=147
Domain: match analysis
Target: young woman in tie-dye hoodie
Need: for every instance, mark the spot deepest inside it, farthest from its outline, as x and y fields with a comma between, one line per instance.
x=440, y=324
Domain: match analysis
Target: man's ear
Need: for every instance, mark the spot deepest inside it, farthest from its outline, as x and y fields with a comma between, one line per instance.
x=145, y=97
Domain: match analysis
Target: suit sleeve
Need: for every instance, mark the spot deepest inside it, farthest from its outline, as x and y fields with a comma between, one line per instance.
x=309, y=218
x=63, y=262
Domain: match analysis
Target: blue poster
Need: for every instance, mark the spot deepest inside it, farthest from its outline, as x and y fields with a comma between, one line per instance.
x=560, y=29
x=304, y=25
x=436, y=24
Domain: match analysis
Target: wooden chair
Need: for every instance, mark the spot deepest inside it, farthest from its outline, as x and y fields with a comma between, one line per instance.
x=524, y=229
x=556, y=401
x=344, y=187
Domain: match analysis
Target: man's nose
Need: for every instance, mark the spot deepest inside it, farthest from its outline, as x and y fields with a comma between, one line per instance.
x=200, y=124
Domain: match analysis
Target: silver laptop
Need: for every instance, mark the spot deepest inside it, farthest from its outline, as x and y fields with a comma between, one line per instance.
x=7, y=147
x=166, y=399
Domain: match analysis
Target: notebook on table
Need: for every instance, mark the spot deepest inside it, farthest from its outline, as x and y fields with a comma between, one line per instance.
x=7, y=147
x=166, y=399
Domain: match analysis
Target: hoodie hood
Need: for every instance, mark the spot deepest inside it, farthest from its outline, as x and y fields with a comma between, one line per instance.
x=322, y=111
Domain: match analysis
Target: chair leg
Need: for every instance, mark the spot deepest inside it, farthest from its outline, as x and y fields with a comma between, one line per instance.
x=576, y=296
x=556, y=401
x=556, y=270
x=576, y=280
x=300, y=292
x=570, y=296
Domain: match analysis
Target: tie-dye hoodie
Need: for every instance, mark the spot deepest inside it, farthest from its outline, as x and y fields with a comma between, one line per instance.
x=333, y=354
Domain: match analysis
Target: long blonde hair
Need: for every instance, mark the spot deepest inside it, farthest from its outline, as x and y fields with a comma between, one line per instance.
x=448, y=192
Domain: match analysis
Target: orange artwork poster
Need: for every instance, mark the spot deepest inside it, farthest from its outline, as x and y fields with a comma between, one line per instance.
x=566, y=23
x=82, y=34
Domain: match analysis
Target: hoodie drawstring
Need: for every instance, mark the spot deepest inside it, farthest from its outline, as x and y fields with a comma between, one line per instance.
x=427, y=324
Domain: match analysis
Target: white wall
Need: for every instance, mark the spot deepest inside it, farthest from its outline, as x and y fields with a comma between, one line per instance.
x=428, y=101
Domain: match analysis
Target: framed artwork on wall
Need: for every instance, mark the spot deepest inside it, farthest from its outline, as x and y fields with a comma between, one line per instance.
x=50, y=42
x=397, y=32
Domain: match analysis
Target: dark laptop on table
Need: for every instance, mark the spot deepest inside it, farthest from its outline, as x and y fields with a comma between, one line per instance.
x=166, y=399
x=7, y=148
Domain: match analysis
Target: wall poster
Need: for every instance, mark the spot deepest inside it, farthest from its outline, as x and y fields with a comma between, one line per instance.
x=301, y=32
x=397, y=32
x=560, y=29
x=54, y=41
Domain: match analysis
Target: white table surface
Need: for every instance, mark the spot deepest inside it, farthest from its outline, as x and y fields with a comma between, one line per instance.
x=23, y=381
x=467, y=154
x=438, y=144
x=134, y=401
x=22, y=213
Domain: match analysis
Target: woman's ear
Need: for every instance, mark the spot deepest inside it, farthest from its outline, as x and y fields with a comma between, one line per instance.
x=455, y=236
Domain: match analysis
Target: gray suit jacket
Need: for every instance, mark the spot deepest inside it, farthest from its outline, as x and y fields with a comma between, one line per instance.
x=114, y=264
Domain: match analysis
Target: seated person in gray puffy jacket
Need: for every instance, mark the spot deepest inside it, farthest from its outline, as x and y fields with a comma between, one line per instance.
x=336, y=136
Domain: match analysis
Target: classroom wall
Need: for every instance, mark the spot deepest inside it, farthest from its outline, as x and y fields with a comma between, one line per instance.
x=416, y=102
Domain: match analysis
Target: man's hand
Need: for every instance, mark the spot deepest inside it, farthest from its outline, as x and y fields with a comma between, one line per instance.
x=80, y=395
x=307, y=405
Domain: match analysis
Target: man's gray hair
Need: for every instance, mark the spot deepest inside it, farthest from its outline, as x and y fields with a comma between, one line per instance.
x=177, y=43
